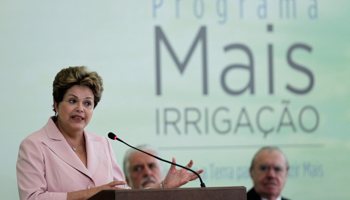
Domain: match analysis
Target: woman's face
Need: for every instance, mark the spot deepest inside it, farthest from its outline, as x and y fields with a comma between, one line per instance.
x=75, y=110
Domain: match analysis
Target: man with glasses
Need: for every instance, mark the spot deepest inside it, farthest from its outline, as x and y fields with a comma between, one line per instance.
x=269, y=171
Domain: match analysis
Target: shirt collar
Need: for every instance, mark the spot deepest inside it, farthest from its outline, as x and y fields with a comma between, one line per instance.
x=278, y=198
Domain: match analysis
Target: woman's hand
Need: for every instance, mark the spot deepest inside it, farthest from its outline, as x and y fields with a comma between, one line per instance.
x=85, y=194
x=176, y=178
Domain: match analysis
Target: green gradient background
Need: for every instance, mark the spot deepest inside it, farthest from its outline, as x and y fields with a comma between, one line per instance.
x=117, y=39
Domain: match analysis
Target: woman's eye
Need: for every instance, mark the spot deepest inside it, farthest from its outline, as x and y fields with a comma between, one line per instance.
x=72, y=101
x=88, y=104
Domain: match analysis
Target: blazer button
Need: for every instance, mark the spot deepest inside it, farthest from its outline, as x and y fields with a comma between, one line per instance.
x=90, y=186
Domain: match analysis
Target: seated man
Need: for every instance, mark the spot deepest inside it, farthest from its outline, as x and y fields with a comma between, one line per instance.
x=269, y=171
x=140, y=169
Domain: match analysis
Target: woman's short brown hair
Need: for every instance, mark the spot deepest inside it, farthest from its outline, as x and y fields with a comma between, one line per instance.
x=78, y=75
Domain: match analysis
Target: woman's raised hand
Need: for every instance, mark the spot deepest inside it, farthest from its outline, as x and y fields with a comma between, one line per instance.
x=178, y=177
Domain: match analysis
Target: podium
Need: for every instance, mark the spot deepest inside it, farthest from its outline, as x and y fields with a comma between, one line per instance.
x=210, y=193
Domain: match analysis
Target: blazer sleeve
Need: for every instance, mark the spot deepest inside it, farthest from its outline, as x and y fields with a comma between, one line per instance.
x=30, y=168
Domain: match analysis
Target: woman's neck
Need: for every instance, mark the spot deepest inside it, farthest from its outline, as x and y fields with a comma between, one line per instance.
x=74, y=138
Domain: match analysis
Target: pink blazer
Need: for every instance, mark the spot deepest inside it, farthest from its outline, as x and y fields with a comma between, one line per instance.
x=48, y=168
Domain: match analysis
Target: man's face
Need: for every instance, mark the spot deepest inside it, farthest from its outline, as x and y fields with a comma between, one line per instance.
x=144, y=170
x=269, y=173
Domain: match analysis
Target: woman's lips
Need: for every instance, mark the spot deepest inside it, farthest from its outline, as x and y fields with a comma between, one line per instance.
x=76, y=117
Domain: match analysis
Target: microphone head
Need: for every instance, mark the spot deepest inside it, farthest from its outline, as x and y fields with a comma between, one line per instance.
x=112, y=136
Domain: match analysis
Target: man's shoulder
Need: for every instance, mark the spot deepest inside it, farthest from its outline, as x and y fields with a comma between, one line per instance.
x=252, y=195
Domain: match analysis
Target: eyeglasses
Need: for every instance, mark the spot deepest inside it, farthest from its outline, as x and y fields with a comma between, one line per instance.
x=266, y=168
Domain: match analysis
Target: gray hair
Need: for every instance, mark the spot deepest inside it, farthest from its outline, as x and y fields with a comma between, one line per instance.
x=144, y=147
x=270, y=149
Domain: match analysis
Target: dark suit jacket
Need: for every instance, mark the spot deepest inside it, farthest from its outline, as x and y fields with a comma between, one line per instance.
x=252, y=195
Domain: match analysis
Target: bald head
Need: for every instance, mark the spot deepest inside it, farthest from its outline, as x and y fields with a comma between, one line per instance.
x=269, y=149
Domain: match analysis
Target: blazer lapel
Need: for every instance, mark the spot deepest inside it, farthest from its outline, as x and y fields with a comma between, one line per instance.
x=61, y=148
x=93, y=150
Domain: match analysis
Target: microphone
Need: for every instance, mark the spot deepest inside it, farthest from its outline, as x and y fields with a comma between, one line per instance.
x=112, y=136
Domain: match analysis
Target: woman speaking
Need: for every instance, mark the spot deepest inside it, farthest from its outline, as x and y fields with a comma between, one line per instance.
x=64, y=161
